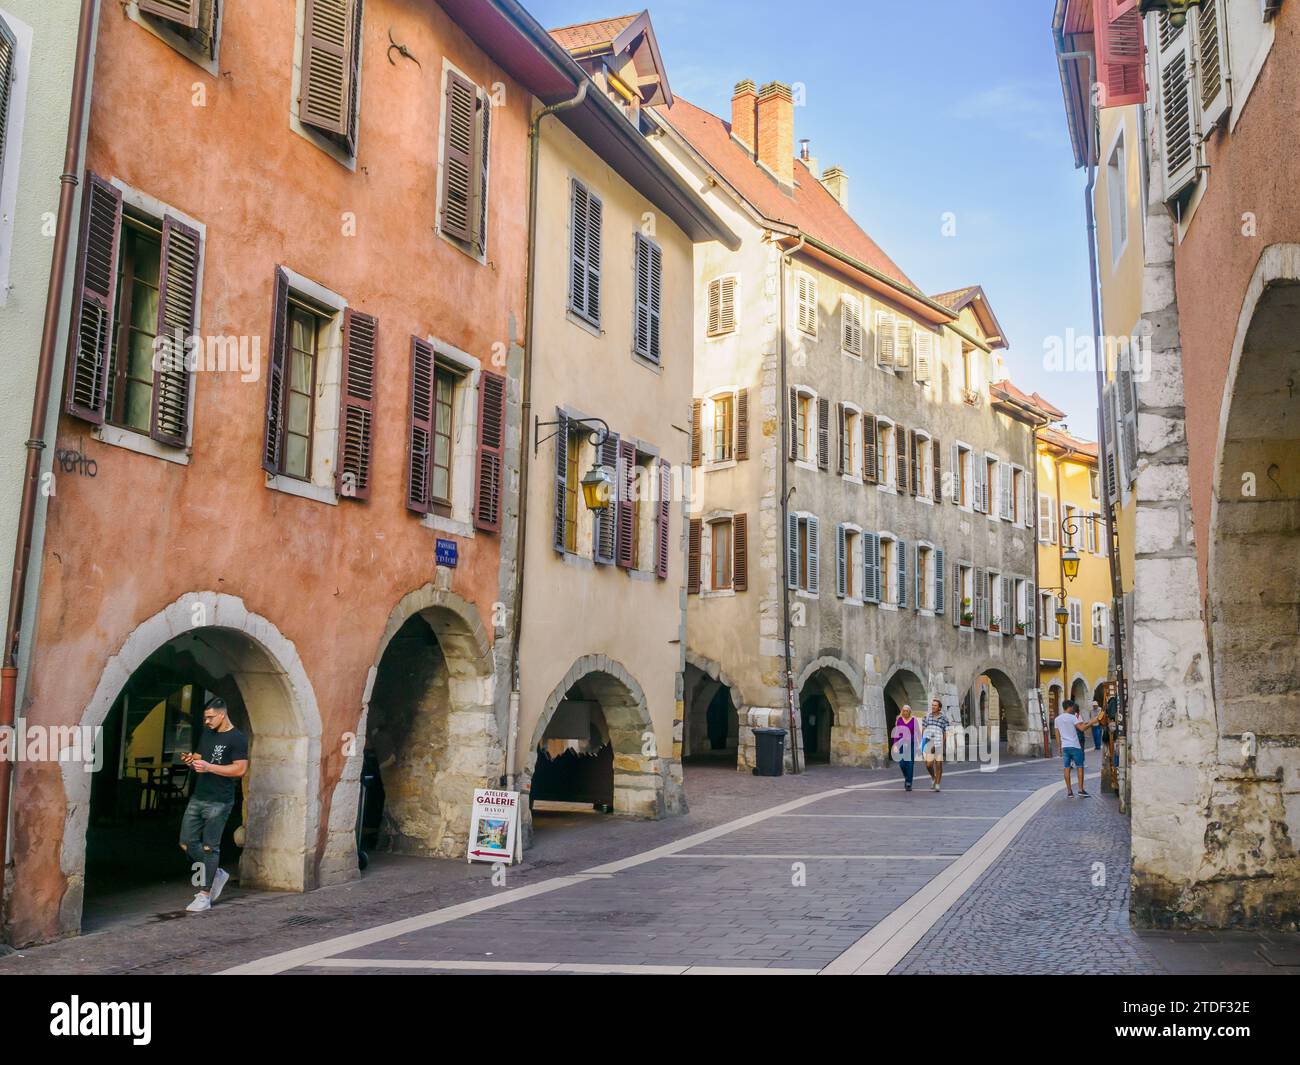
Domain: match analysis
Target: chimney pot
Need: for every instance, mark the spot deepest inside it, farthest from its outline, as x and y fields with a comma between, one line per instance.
x=776, y=130
x=744, y=117
x=837, y=184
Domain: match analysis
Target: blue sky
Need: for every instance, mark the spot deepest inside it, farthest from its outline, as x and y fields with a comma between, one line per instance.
x=930, y=107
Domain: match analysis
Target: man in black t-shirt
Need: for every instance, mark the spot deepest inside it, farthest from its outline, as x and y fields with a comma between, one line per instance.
x=222, y=759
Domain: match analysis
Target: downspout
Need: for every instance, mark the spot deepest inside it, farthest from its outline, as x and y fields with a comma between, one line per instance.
x=786, y=429
x=525, y=411
x=1038, y=627
x=68, y=182
x=1060, y=566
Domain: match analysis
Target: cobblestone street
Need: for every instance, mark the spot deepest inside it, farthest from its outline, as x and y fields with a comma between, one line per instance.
x=836, y=870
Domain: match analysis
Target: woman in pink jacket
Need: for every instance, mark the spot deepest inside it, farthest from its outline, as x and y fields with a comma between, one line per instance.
x=903, y=742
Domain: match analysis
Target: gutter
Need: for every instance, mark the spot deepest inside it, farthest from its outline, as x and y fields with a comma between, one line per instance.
x=880, y=276
x=68, y=181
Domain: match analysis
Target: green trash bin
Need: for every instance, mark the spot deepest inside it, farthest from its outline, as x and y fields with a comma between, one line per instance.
x=770, y=753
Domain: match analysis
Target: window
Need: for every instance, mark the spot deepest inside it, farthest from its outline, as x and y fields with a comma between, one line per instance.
x=803, y=550
x=924, y=577
x=192, y=27
x=850, y=459
x=990, y=488
x=804, y=427
x=330, y=59
x=585, y=213
x=1094, y=484
x=722, y=306
x=888, y=570
x=443, y=432
x=137, y=285
x=807, y=294
x=720, y=555
x=724, y=551
x=1099, y=533
x=1117, y=198
x=886, y=340
x=647, y=292
x=1018, y=496
x=1046, y=519
x=1047, y=611
x=724, y=428
x=1100, y=625
x=572, y=488
x=305, y=327
x=1023, y=618
x=925, y=353
x=851, y=325
x=886, y=454
x=997, y=603
x=962, y=465
x=966, y=595
x=1069, y=532
x=1076, y=621
x=466, y=140
x=923, y=458
x=1090, y=523
x=848, y=551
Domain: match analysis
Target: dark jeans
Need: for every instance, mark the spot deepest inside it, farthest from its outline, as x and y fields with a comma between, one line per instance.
x=907, y=765
x=201, y=830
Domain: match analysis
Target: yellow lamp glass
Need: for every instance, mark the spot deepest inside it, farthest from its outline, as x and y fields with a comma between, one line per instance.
x=1062, y=614
x=598, y=487
x=1070, y=561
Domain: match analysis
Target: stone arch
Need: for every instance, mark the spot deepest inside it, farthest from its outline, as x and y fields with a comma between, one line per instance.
x=702, y=682
x=639, y=770
x=1012, y=710
x=847, y=741
x=1081, y=691
x=283, y=782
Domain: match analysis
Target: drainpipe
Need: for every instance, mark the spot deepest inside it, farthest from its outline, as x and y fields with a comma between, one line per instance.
x=68, y=181
x=525, y=411
x=786, y=429
x=1060, y=576
x=1038, y=627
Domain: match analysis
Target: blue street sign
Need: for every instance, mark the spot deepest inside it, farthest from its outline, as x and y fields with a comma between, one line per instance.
x=447, y=553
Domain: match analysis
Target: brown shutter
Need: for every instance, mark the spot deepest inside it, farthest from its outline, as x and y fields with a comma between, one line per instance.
x=178, y=295
x=697, y=430
x=459, y=174
x=419, y=445
x=664, y=516
x=626, y=493
x=916, y=469
x=794, y=424
x=900, y=454
x=561, y=475
x=823, y=433
x=356, y=404
x=182, y=12
x=273, y=441
x=935, y=452
x=869, y=448
x=693, y=557
x=93, y=300
x=328, y=65
x=491, y=451
x=742, y=425
x=481, y=185
x=740, y=551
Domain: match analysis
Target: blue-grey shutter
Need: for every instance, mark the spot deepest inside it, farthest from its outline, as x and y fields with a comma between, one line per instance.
x=939, y=601
x=901, y=545
x=647, y=296
x=871, y=567
x=792, y=551
x=981, y=599
x=840, y=560
x=561, y=475
x=814, y=560
x=607, y=519
x=584, y=254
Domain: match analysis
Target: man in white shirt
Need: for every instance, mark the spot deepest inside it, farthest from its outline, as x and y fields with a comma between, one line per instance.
x=1069, y=726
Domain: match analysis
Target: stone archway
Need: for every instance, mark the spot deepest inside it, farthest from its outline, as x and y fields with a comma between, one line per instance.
x=282, y=788
x=429, y=708
x=639, y=770
x=844, y=737
x=713, y=714
x=904, y=686
x=1080, y=692
x=1009, y=714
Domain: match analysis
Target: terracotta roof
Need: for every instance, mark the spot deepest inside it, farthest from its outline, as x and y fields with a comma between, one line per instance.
x=1065, y=440
x=1006, y=390
x=586, y=34
x=955, y=298
x=959, y=299
x=809, y=208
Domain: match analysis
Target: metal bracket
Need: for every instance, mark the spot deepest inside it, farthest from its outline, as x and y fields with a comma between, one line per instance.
x=401, y=50
x=598, y=435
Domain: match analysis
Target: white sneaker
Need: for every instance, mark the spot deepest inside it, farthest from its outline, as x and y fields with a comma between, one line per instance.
x=934, y=786
x=938, y=787
x=201, y=903
x=219, y=882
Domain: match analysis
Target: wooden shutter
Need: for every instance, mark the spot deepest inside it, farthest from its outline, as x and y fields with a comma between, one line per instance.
x=1120, y=55
x=807, y=304
x=357, y=404
x=901, y=551
x=871, y=567
x=595, y=214
x=900, y=456
x=8, y=58
x=1127, y=415
x=178, y=297
x=940, y=592
x=794, y=424
x=869, y=448
x=1004, y=476
x=924, y=355
x=648, y=293
x=851, y=325
x=1108, y=416
x=740, y=549
x=844, y=462
x=742, y=425
x=181, y=12
x=823, y=433
x=915, y=468
x=605, y=548
x=722, y=305
x=1031, y=604
x=273, y=437
x=626, y=497
x=697, y=432
x=792, y=550
x=1212, y=74
x=694, y=538
x=1174, y=64
x=561, y=477
x=663, y=514
x=904, y=331
x=419, y=449
x=840, y=562
x=886, y=340
x=584, y=253
x=491, y=451
x=459, y=172
x=329, y=65
x=481, y=157
x=981, y=600
x=93, y=300
x=1046, y=525
x=957, y=589
x=936, y=453
x=814, y=556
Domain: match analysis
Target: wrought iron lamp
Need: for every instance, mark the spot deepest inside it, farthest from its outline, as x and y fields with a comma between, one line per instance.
x=598, y=482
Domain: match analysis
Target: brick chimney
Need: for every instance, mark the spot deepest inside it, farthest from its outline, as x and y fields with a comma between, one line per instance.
x=837, y=184
x=744, y=117
x=776, y=131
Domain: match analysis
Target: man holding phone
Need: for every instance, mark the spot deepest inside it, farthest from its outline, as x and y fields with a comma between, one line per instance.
x=1069, y=726
x=221, y=760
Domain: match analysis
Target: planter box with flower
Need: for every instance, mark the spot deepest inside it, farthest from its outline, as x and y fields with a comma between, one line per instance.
x=967, y=616
x=1020, y=628
x=995, y=625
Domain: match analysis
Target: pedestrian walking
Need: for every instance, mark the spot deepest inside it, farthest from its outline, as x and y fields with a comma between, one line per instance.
x=221, y=760
x=1069, y=726
x=934, y=734
x=1098, y=717
x=903, y=742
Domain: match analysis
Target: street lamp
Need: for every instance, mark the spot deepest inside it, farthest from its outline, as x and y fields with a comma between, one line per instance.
x=1175, y=9
x=1071, y=528
x=598, y=487
x=598, y=482
x=1070, y=560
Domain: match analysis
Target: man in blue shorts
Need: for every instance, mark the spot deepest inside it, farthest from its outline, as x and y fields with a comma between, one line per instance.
x=1068, y=727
